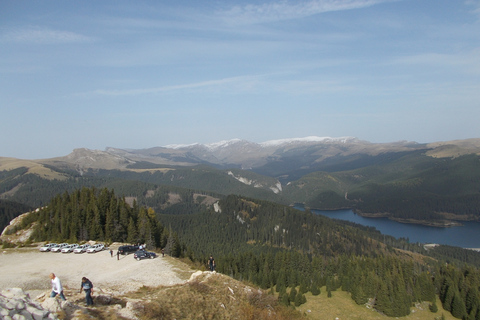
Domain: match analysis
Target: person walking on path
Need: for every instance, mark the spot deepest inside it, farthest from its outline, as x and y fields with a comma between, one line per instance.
x=87, y=286
x=118, y=255
x=56, y=287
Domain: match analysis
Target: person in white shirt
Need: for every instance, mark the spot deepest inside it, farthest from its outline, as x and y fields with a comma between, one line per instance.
x=56, y=287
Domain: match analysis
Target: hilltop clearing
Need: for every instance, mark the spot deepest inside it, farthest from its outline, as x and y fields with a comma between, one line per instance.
x=28, y=269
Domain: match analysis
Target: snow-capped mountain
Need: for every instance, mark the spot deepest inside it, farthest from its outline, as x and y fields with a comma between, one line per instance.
x=295, y=153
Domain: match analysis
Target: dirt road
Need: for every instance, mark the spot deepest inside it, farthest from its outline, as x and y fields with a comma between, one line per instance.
x=28, y=269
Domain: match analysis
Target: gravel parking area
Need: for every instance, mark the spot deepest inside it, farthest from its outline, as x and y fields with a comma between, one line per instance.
x=27, y=268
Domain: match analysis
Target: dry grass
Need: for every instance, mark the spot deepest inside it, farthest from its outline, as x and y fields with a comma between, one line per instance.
x=213, y=296
x=33, y=167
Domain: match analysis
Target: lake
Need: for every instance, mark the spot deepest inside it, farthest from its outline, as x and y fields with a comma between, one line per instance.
x=466, y=236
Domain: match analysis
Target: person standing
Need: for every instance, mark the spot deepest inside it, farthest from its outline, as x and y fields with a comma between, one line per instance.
x=56, y=287
x=87, y=286
x=211, y=263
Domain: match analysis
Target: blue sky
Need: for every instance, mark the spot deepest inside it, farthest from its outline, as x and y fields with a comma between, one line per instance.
x=139, y=74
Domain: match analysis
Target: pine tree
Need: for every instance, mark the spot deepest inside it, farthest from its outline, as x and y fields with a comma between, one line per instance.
x=132, y=232
x=292, y=295
x=298, y=299
x=458, y=306
x=449, y=295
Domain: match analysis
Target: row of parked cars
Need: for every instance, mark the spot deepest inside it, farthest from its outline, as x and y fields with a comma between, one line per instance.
x=75, y=248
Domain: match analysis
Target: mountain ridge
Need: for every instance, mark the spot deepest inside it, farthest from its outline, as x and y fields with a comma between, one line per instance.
x=236, y=153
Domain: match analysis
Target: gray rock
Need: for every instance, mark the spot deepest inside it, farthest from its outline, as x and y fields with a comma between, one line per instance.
x=15, y=304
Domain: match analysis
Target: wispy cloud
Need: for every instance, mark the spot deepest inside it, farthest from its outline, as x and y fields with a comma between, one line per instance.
x=242, y=81
x=285, y=10
x=41, y=35
x=476, y=6
x=466, y=62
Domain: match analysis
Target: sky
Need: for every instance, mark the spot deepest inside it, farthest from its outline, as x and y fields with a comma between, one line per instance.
x=141, y=74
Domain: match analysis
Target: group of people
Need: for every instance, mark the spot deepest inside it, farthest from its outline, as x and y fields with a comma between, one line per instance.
x=57, y=289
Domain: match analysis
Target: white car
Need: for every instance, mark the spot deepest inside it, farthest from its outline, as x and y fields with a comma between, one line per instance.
x=81, y=249
x=95, y=248
x=47, y=247
x=59, y=247
x=69, y=248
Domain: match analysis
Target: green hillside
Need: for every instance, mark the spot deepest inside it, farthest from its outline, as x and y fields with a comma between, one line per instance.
x=413, y=187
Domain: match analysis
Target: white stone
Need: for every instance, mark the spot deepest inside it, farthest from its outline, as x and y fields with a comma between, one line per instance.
x=14, y=293
x=51, y=304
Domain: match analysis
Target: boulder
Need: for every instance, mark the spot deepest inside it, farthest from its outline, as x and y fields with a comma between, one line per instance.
x=16, y=304
x=52, y=305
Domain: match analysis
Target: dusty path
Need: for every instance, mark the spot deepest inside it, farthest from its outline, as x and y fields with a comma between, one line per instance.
x=28, y=269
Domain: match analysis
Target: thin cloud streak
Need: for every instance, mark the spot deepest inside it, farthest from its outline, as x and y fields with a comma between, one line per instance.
x=283, y=10
x=203, y=84
x=41, y=35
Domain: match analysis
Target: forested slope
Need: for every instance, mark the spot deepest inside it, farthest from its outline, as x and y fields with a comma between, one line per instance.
x=415, y=186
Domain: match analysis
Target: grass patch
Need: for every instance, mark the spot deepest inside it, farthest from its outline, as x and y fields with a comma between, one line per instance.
x=341, y=306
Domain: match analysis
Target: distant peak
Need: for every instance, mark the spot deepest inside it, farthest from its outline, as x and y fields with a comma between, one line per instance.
x=210, y=146
x=222, y=144
x=272, y=143
x=180, y=146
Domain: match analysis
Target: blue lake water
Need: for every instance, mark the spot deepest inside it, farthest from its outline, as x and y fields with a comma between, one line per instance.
x=466, y=236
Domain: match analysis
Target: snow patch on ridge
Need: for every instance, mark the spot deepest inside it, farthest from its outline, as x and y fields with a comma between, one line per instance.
x=272, y=143
x=180, y=146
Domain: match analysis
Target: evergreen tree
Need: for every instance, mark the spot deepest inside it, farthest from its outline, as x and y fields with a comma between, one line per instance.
x=458, y=306
x=292, y=295
x=298, y=299
x=132, y=232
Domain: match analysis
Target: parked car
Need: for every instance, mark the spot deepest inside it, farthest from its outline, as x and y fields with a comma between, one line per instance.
x=96, y=248
x=81, y=249
x=142, y=254
x=127, y=249
x=47, y=247
x=59, y=247
x=69, y=248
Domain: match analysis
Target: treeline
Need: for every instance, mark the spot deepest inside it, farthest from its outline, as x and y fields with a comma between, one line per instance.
x=10, y=210
x=92, y=214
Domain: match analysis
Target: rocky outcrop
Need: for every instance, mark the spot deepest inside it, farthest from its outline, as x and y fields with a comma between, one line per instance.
x=16, y=304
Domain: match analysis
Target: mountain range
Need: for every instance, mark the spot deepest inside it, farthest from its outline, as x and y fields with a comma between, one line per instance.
x=404, y=180
x=309, y=153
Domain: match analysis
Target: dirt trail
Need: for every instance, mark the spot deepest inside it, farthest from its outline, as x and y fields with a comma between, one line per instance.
x=28, y=269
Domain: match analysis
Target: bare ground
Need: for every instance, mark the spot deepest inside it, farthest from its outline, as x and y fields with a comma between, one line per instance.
x=27, y=268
